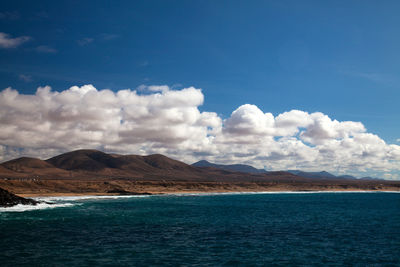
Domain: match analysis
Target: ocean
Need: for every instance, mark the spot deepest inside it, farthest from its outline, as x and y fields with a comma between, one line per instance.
x=263, y=229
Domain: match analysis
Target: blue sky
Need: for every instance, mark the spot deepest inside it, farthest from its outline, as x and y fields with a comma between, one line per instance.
x=340, y=58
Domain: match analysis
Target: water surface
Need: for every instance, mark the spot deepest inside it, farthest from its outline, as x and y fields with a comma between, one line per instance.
x=207, y=230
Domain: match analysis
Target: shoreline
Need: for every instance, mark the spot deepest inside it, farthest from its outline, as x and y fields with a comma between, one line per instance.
x=56, y=200
x=202, y=193
x=48, y=188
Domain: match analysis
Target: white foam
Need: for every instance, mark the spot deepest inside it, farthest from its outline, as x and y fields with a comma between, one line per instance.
x=54, y=202
x=276, y=192
x=85, y=197
x=77, y=198
x=89, y=197
x=40, y=206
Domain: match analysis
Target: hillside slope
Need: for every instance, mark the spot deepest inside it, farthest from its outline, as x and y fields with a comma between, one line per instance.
x=94, y=164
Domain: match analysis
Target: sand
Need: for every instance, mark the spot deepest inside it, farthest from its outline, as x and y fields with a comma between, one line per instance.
x=35, y=188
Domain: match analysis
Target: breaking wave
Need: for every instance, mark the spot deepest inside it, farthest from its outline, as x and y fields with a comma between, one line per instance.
x=40, y=206
x=275, y=192
x=78, y=198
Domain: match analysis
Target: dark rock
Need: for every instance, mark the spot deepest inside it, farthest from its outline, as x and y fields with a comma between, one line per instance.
x=123, y=192
x=8, y=199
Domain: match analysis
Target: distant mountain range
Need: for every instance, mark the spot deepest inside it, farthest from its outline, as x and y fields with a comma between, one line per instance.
x=96, y=172
x=94, y=164
x=250, y=169
x=234, y=167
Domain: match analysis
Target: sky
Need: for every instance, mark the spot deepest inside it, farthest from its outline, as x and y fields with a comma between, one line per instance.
x=311, y=85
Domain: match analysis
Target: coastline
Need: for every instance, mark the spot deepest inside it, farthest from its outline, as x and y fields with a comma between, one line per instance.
x=55, y=200
x=201, y=193
x=115, y=187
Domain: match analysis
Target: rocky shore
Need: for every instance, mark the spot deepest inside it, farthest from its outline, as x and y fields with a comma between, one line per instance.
x=8, y=199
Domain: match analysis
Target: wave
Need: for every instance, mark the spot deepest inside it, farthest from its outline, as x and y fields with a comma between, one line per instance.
x=64, y=201
x=40, y=206
x=78, y=198
x=55, y=199
x=274, y=192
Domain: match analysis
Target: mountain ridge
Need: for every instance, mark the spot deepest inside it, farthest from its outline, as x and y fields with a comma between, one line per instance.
x=89, y=163
x=96, y=172
x=250, y=169
x=231, y=167
x=94, y=164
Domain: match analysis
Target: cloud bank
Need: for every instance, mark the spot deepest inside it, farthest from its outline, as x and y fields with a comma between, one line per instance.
x=157, y=119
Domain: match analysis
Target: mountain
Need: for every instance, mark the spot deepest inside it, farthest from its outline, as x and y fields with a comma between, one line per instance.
x=233, y=167
x=250, y=169
x=346, y=177
x=370, y=178
x=30, y=166
x=25, y=163
x=6, y=171
x=97, y=162
x=93, y=164
x=162, y=162
x=84, y=160
x=322, y=174
x=95, y=172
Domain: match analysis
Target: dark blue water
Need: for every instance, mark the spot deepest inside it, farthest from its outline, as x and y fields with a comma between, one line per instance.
x=357, y=229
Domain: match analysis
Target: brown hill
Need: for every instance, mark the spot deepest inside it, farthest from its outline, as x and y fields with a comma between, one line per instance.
x=5, y=171
x=85, y=163
x=96, y=172
x=162, y=162
x=26, y=163
x=93, y=164
x=86, y=160
x=30, y=167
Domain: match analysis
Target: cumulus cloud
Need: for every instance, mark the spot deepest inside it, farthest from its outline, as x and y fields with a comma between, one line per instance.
x=6, y=41
x=323, y=129
x=250, y=120
x=158, y=119
x=121, y=121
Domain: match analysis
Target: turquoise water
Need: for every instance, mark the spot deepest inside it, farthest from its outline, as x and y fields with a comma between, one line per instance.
x=357, y=229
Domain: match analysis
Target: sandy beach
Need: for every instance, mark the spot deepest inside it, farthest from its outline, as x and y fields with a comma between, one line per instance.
x=128, y=187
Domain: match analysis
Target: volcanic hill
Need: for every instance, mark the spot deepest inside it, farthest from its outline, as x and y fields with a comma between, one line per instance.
x=95, y=172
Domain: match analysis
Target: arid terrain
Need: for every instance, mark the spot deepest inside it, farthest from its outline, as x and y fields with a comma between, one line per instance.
x=91, y=172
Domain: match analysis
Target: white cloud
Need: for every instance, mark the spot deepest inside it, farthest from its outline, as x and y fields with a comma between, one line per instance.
x=6, y=41
x=46, y=49
x=168, y=121
x=250, y=120
x=324, y=129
